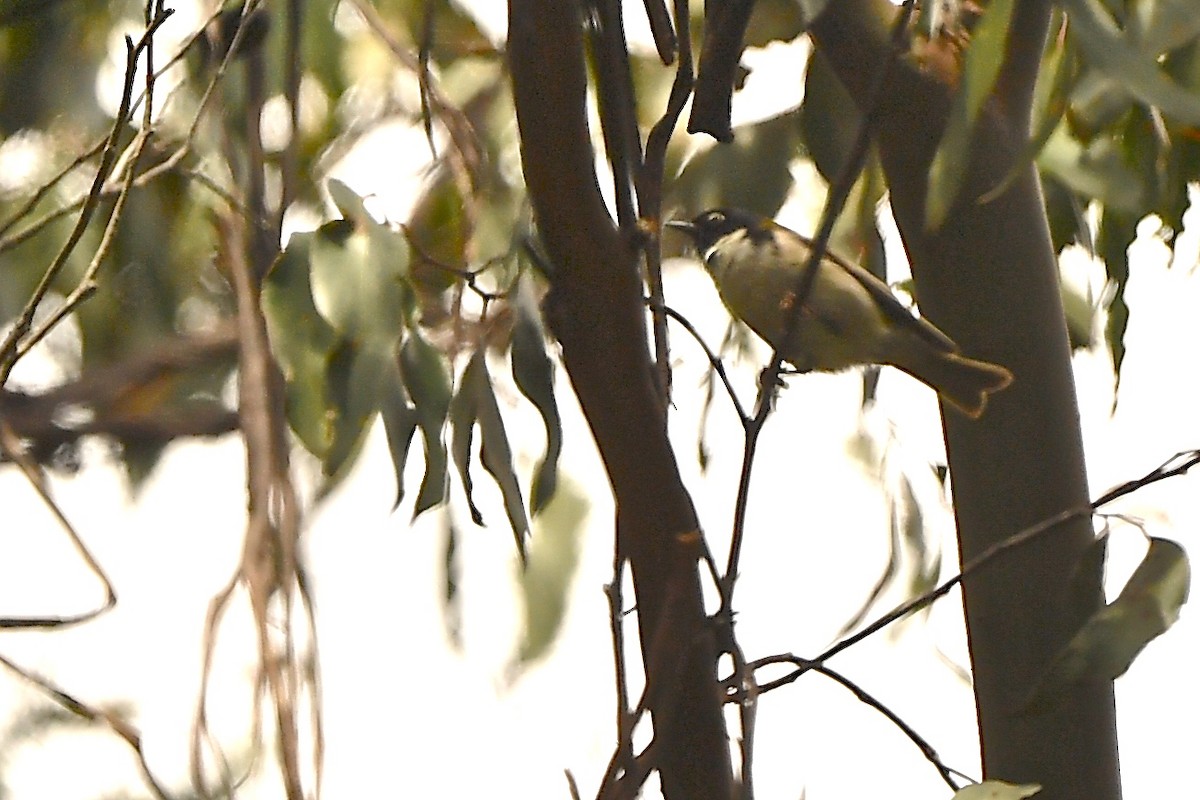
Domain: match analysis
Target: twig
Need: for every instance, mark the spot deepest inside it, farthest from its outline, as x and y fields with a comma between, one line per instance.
x=10, y=351
x=1178, y=464
x=838, y=193
x=649, y=178
x=926, y=749
x=91, y=713
x=714, y=361
x=11, y=448
x=458, y=126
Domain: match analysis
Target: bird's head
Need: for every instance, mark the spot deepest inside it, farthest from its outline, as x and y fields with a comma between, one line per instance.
x=707, y=228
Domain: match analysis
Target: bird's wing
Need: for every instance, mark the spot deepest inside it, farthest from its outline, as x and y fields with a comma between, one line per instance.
x=893, y=308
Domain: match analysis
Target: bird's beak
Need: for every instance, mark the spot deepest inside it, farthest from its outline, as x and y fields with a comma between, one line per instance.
x=681, y=225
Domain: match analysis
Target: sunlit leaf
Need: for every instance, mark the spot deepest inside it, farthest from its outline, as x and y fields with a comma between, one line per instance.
x=1096, y=171
x=981, y=66
x=997, y=790
x=427, y=379
x=1107, y=644
x=533, y=372
x=439, y=230
x=358, y=273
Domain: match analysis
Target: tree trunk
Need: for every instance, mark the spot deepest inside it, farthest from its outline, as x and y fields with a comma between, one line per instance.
x=595, y=309
x=989, y=278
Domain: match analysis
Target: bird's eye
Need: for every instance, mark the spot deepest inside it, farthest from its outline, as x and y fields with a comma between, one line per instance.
x=714, y=216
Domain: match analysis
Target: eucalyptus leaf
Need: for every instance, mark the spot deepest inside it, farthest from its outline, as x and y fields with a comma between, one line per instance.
x=981, y=67
x=427, y=379
x=399, y=423
x=302, y=342
x=1122, y=59
x=464, y=410
x=553, y=562
x=533, y=372
x=1105, y=647
x=495, y=451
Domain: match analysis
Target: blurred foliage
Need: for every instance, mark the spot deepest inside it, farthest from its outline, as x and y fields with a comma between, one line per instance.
x=431, y=318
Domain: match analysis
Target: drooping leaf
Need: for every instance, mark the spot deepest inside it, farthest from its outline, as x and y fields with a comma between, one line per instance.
x=355, y=377
x=981, y=67
x=464, y=410
x=1107, y=644
x=475, y=404
x=533, y=372
x=427, y=379
x=451, y=600
x=495, y=452
x=1050, y=97
x=1116, y=234
x=399, y=423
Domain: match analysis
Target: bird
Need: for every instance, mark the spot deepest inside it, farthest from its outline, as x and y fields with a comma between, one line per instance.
x=849, y=318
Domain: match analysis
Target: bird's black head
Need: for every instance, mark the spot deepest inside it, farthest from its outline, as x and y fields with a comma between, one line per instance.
x=706, y=228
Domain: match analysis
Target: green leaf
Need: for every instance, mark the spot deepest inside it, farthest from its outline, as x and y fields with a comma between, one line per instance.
x=750, y=173
x=1116, y=234
x=1122, y=59
x=980, y=69
x=474, y=404
x=354, y=378
x=1107, y=644
x=829, y=117
x=1098, y=171
x=546, y=579
x=533, y=372
x=464, y=410
x=359, y=270
x=997, y=790
x=302, y=342
x=399, y=423
x=1050, y=97
x=495, y=452
x=451, y=601
x=427, y=378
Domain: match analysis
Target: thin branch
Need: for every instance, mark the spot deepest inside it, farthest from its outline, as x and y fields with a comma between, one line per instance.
x=92, y=713
x=10, y=351
x=839, y=191
x=458, y=126
x=714, y=361
x=1177, y=465
x=648, y=181
x=10, y=447
x=922, y=744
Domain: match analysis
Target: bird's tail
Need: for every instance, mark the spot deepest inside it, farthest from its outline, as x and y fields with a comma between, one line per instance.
x=964, y=382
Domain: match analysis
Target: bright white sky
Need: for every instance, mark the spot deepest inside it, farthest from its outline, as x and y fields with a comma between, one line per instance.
x=455, y=723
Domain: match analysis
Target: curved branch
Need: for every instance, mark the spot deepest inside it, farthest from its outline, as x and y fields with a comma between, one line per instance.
x=595, y=309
